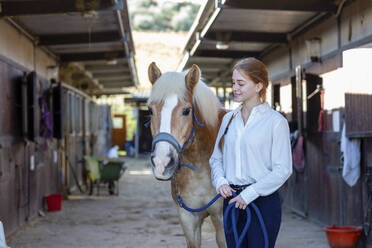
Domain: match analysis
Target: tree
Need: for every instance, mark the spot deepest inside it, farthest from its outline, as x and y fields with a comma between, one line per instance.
x=171, y=16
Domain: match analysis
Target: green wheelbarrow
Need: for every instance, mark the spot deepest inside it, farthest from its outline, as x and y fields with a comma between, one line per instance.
x=103, y=171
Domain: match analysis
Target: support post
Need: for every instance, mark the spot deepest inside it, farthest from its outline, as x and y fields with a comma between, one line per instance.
x=136, y=138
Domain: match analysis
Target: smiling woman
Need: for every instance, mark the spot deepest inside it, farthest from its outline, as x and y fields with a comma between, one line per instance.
x=252, y=155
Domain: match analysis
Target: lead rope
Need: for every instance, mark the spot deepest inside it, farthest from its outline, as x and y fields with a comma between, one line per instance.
x=233, y=213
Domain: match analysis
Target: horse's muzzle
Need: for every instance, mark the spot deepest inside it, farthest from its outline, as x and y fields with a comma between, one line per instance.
x=164, y=169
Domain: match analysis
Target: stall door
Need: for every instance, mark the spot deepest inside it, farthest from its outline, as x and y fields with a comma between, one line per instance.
x=119, y=131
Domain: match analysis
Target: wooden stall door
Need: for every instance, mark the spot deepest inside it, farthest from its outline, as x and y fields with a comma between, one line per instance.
x=119, y=131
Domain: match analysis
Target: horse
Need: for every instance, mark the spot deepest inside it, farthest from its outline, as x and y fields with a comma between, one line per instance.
x=187, y=114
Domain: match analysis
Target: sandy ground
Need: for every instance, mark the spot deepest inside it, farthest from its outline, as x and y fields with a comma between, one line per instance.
x=143, y=215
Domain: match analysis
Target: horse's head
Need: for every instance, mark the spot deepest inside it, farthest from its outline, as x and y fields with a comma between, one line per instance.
x=171, y=109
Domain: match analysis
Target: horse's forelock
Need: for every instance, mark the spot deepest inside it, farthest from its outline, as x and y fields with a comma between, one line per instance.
x=204, y=98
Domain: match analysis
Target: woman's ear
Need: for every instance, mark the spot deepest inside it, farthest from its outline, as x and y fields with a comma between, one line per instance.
x=259, y=87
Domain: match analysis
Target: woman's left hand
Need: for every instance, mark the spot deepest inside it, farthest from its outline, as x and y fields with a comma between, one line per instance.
x=239, y=202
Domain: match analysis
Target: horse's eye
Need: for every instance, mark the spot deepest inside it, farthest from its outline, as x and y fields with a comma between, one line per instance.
x=150, y=111
x=186, y=111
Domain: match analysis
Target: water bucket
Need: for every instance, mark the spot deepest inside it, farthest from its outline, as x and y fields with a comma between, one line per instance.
x=2, y=237
x=54, y=202
x=343, y=236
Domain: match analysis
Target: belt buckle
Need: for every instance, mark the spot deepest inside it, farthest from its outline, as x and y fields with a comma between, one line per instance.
x=238, y=187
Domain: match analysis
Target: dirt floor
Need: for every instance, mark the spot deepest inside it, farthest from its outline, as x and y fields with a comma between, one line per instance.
x=143, y=215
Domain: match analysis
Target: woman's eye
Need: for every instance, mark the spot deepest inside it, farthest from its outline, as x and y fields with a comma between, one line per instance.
x=186, y=111
x=150, y=111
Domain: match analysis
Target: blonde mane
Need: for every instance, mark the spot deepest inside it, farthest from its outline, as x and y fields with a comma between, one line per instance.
x=174, y=83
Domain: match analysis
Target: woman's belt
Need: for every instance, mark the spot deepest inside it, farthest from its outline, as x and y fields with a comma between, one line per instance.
x=239, y=187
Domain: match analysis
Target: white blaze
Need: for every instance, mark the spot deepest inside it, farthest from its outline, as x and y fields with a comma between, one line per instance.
x=162, y=148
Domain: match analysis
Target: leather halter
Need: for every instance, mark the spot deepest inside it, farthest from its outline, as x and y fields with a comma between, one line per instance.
x=162, y=136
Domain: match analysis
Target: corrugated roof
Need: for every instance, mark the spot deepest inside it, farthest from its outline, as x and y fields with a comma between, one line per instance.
x=95, y=34
x=245, y=28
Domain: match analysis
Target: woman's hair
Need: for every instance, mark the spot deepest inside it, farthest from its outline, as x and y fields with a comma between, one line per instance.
x=256, y=71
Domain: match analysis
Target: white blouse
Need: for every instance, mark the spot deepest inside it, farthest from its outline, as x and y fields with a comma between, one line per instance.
x=257, y=153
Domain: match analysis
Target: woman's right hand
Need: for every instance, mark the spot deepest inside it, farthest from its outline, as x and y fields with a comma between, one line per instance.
x=225, y=190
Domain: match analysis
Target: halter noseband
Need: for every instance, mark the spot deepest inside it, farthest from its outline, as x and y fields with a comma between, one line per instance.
x=162, y=136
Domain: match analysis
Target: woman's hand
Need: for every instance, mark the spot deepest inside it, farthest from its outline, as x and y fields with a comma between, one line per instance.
x=239, y=202
x=225, y=190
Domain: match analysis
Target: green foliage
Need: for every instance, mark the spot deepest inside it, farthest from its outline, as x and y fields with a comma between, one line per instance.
x=170, y=16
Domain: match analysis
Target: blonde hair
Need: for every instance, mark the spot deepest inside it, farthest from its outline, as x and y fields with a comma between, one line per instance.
x=255, y=70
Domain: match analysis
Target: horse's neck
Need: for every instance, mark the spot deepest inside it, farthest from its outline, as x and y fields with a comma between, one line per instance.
x=204, y=140
x=197, y=154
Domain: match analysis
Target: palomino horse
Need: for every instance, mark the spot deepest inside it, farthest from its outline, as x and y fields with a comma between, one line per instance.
x=177, y=103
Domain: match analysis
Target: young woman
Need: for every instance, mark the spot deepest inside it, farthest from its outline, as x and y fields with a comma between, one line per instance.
x=252, y=154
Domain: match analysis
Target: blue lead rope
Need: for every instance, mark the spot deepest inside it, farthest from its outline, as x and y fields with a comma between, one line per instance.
x=234, y=215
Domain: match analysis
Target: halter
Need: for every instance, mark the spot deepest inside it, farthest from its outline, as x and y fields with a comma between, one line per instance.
x=162, y=136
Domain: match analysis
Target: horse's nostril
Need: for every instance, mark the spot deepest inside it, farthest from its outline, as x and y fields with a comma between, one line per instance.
x=152, y=160
x=171, y=161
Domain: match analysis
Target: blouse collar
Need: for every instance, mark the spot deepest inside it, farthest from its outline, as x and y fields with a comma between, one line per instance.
x=261, y=108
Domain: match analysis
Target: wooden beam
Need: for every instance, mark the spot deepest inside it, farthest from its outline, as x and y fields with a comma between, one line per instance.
x=226, y=54
x=294, y=5
x=114, y=81
x=44, y=7
x=251, y=36
x=66, y=39
x=107, y=70
x=117, y=85
x=108, y=76
x=74, y=57
x=112, y=74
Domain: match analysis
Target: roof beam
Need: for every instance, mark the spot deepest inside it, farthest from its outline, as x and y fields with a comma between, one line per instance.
x=114, y=91
x=114, y=81
x=303, y=5
x=112, y=74
x=74, y=57
x=117, y=85
x=111, y=77
x=226, y=54
x=250, y=36
x=106, y=68
x=67, y=39
x=43, y=7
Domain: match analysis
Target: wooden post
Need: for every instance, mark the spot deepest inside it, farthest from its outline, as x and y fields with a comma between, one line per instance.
x=224, y=93
x=299, y=75
x=136, y=138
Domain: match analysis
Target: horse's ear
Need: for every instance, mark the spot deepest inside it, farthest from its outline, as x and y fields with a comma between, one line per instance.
x=192, y=77
x=154, y=72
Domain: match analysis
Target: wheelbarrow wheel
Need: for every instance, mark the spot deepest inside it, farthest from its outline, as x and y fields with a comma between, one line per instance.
x=111, y=187
x=88, y=184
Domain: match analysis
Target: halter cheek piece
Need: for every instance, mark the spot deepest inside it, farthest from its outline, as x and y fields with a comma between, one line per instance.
x=162, y=136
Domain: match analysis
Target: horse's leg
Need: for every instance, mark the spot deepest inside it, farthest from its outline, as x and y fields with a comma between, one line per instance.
x=191, y=225
x=217, y=220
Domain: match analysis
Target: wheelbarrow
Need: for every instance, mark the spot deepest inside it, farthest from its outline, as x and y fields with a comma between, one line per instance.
x=103, y=171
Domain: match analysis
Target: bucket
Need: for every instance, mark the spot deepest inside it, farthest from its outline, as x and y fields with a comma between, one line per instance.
x=343, y=236
x=54, y=202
